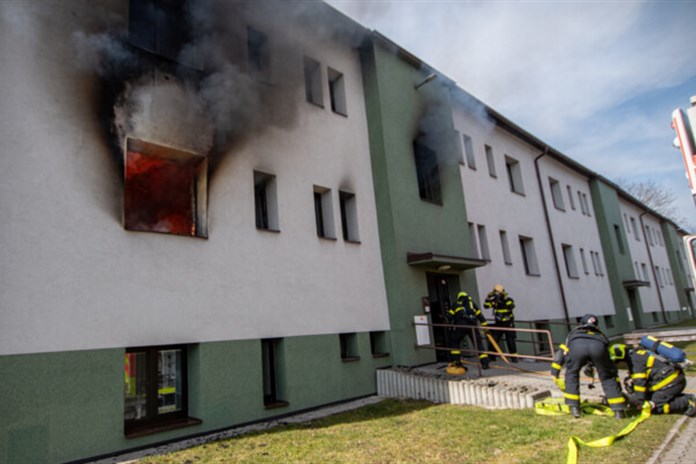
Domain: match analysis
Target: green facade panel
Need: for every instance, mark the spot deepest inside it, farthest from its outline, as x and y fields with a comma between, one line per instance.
x=62, y=407
x=397, y=113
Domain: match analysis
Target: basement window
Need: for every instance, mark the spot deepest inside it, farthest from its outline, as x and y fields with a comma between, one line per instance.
x=337, y=92
x=165, y=190
x=349, y=347
x=266, y=201
x=378, y=344
x=313, y=82
x=156, y=390
x=272, y=371
x=349, y=217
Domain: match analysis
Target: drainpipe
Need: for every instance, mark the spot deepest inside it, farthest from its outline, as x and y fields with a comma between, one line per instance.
x=553, y=242
x=652, y=266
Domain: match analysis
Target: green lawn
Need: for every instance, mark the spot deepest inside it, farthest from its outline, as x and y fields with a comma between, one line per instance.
x=408, y=431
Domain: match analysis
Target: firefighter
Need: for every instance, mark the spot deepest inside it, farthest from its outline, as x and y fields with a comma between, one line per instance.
x=465, y=312
x=502, y=305
x=587, y=344
x=656, y=379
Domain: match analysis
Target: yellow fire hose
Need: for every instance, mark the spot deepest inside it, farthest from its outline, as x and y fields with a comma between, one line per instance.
x=557, y=406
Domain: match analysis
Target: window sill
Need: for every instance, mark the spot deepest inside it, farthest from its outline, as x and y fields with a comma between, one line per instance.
x=354, y=242
x=276, y=404
x=331, y=239
x=263, y=229
x=380, y=355
x=350, y=359
x=151, y=429
x=345, y=115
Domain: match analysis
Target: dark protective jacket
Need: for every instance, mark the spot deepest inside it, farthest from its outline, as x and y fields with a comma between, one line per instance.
x=650, y=372
x=502, y=306
x=466, y=312
x=579, y=333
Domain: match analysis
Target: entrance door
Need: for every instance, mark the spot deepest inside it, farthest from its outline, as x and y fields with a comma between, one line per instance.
x=633, y=308
x=442, y=291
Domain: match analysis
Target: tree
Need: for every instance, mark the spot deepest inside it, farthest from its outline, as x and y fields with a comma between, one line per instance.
x=658, y=198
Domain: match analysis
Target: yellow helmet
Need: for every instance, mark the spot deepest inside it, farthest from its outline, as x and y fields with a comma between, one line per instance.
x=499, y=288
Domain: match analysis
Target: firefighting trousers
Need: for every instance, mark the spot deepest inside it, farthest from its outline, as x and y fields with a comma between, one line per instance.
x=509, y=338
x=582, y=351
x=457, y=335
x=669, y=399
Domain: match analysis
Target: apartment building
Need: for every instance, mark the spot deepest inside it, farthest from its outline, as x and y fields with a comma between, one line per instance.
x=188, y=200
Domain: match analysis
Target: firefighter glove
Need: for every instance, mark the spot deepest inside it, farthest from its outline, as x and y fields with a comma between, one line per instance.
x=560, y=383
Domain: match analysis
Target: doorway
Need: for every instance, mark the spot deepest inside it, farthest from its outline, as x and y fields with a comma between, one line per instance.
x=442, y=291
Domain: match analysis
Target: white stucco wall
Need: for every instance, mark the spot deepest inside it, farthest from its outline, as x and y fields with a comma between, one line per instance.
x=490, y=202
x=73, y=278
x=642, y=257
x=590, y=292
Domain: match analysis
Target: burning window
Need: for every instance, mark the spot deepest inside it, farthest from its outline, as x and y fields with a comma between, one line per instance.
x=313, y=82
x=428, y=173
x=165, y=190
x=337, y=92
x=258, y=56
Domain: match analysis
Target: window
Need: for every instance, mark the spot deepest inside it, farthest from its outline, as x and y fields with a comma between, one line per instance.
x=165, y=190
x=491, y=161
x=483, y=243
x=337, y=92
x=599, y=263
x=655, y=317
x=469, y=151
x=582, y=204
x=505, y=247
x=378, y=344
x=158, y=26
x=619, y=239
x=644, y=268
x=514, y=173
x=595, y=262
x=349, y=217
x=669, y=276
x=660, y=281
x=586, y=204
x=266, y=201
x=570, y=197
x=637, y=268
x=428, y=172
x=583, y=259
x=349, y=346
x=258, y=56
x=313, y=82
x=272, y=371
x=571, y=267
x=473, y=245
x=609, y=321
x=156, y=390
x=556, y=194
x=648, y=232
x=531, y=267
x=659, y=238
x=634, y=226
x=628, y=226
x=323, y=213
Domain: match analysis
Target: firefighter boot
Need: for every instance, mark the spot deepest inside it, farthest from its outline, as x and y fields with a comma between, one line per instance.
x=485, y=361
x=691, y=409
x=575, y=411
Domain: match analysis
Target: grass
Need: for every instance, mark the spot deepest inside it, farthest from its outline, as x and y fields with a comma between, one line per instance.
x=410, y=431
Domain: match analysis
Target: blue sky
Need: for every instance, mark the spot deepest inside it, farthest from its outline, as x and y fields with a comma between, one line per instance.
x=597, y=80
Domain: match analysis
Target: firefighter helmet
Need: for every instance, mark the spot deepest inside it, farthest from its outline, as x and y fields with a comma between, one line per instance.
x=499, y=288
x=589, y=320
